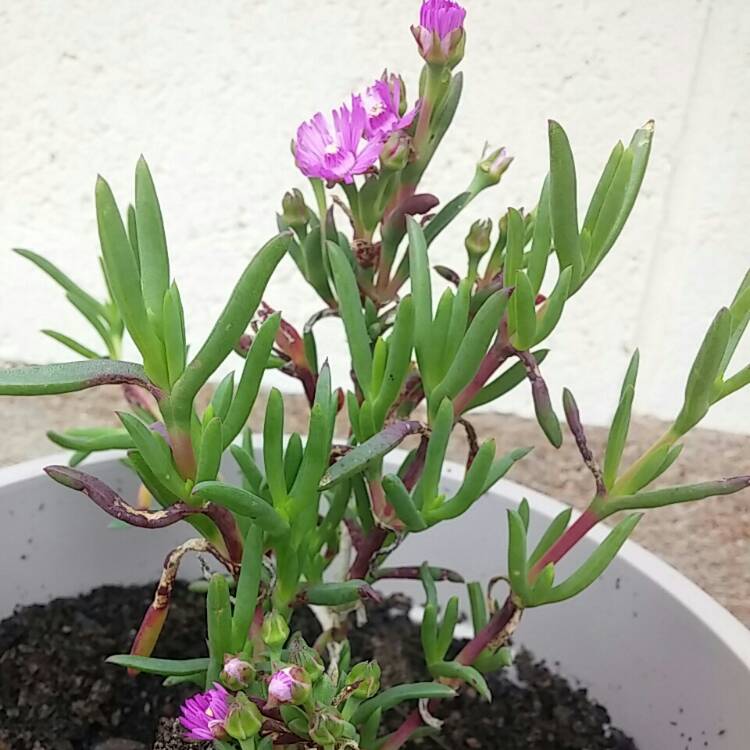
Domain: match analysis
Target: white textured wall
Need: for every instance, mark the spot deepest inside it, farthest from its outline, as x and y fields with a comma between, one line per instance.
x=212, y=94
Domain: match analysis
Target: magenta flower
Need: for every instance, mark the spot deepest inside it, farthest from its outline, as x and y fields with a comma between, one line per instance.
x=382, y=103
x=204, y=714
x=336, y=153
x=440, y=34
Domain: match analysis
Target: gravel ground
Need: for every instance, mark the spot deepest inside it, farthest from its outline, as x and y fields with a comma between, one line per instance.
x=709, y=541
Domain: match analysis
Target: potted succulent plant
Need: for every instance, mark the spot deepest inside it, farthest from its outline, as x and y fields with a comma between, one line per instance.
x=311, y=521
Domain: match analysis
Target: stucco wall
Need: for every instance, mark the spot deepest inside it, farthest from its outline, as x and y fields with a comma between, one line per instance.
x=212, y=93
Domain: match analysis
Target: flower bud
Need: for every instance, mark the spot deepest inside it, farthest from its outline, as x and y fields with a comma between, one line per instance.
x=402, y=103
x=327, y=727
x=396, y=151
x=237, y=673
x=366, y=676
x=275, y=630
x=478, y=239
x=440, y=34
x=308, y=658
x=294, y=209
x=244, y=720
x=491, y=168
x=289, y=685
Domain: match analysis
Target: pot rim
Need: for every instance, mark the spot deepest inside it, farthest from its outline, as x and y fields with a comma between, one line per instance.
x=730, y=631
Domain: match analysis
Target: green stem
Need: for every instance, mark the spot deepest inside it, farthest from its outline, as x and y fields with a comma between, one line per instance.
x=322, y=206
x=433, y=91
x=352, y=195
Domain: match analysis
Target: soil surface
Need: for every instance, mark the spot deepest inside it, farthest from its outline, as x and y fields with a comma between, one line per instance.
x=56, y=693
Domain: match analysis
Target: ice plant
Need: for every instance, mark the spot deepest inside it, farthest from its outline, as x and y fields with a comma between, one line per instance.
x=311, y=519
x=204, y=714
x=382, y=102
x=288, y=685
x=440, y=33
x=337, y=151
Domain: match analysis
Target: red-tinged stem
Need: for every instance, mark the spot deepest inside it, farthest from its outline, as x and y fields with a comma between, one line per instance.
x=257, y=624
x=228, y=528
x=184, y=456
x=370, y=546
x=489, y=633
x=416, y=467
x=413, y=572
x=355, y=533
x=410, y=725
x=583, y=524
x=497, y=354
x=382, y=511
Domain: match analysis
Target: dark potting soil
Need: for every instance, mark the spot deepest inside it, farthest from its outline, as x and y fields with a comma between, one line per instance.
x=56, y=693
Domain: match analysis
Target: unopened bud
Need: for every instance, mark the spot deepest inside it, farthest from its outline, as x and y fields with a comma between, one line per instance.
x=440, y=35
x=244, y=719
x=294, y=209
x=402, y=103
x=491, y=168
x=478, y=239
x=275, y=630
x=327, y=727
x=237, y=673
x=366, y=677
x=289, y=685
x=396, y=152
x=307, y=658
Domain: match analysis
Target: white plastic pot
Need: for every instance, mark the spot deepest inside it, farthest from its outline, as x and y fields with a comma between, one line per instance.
x=669, y=663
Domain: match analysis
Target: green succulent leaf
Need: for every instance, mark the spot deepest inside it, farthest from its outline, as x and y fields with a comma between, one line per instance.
x=563, y=202
x=167, y=667
x=554, y=531
x=350, y=308
x=151, y=243
x=244, y=503
x=76, y=346
x=471, y=350
x=89, y=440
x=62, y=279
x=596, y=563
x=699, y=390
x=537, y=257
x=391, y=697
x=523, y=313
x=640, y=147
x=471, y=489
x=67, y=377
x=552, y=310
x=124, y=278
x=373, y=449
x=517, y=560
x=421, y=290
x=469, y=675
x=618, y=435
x=672, y=495
x=399, y=497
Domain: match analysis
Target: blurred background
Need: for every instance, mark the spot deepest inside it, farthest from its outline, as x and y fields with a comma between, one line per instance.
x=212, y=94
